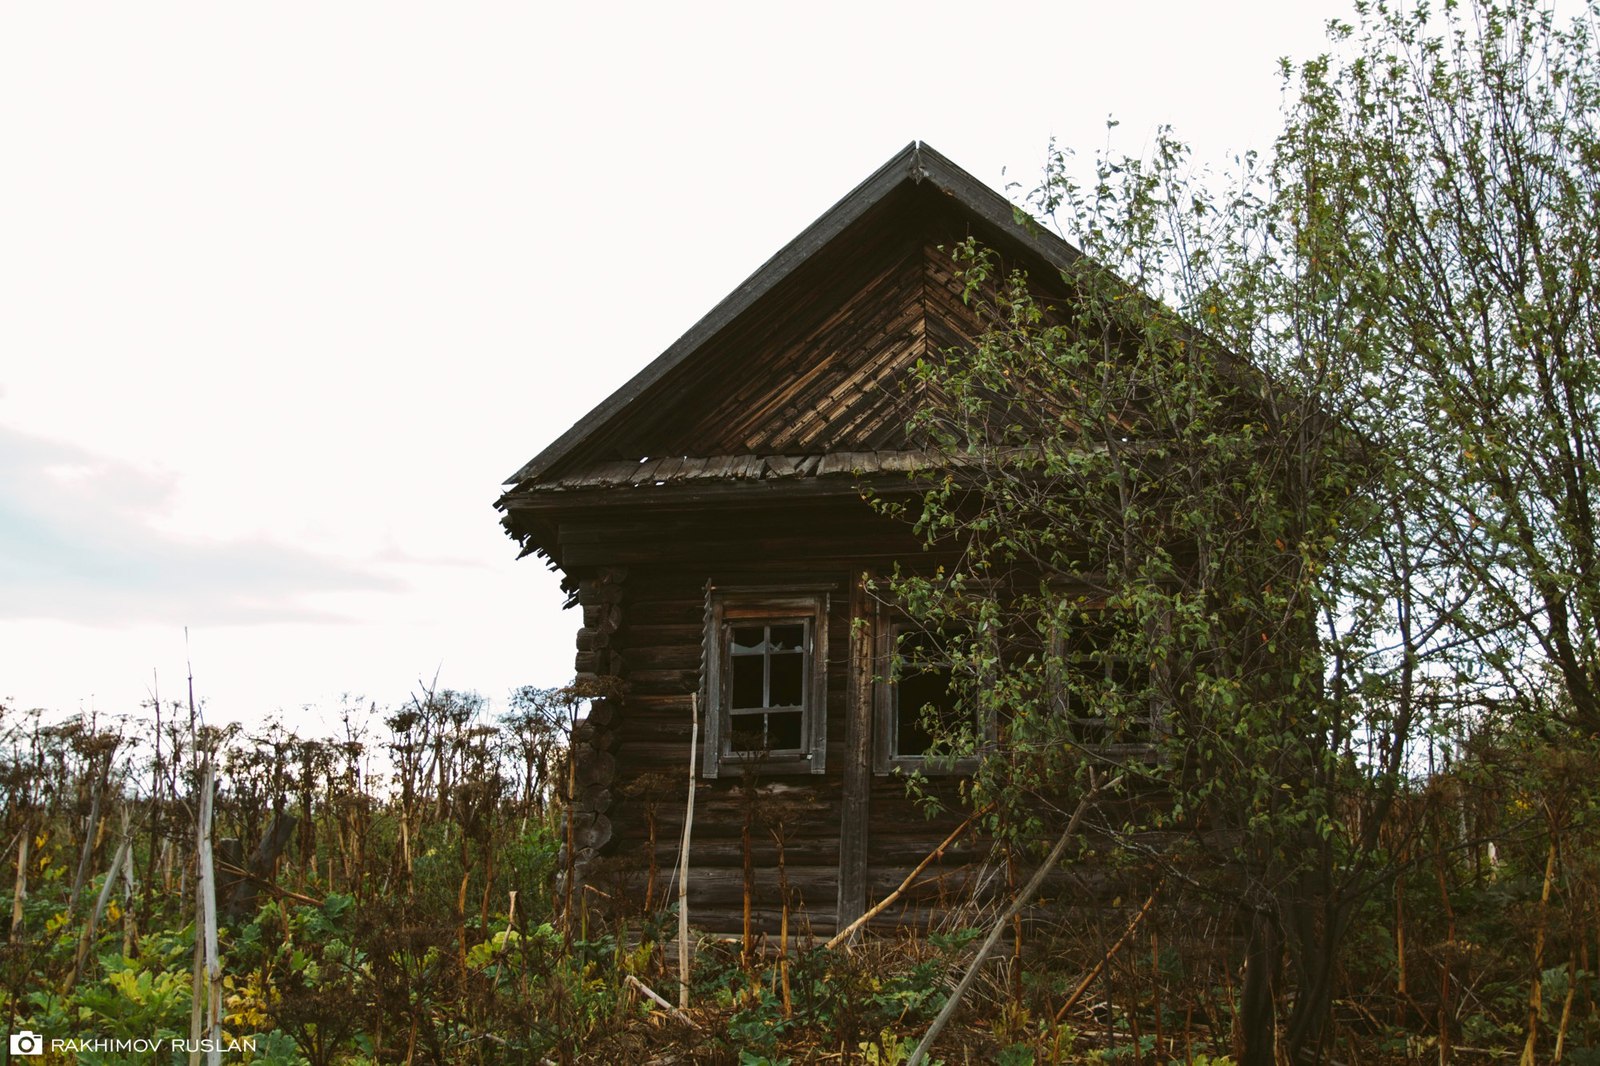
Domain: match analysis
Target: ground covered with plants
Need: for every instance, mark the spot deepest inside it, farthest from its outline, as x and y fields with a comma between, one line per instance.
x=413, y=915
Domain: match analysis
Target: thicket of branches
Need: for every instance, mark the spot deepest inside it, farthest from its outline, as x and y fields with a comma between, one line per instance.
x=1292, y=503
x=359, y=886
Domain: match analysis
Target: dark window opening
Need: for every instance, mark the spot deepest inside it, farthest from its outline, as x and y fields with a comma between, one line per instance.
x=1104, y=694
x=927, y=713
x=767, y=683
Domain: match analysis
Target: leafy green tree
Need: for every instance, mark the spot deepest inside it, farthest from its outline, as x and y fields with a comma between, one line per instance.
x=1149, y=531
x=1447, y=164
x=1299, y=479
x=1296, y=480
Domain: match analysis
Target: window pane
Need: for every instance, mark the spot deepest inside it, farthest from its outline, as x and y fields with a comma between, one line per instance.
x=783, y=731
x=747, y=733
x=787, y=638
x=764, y=690
x=1106, y=694
x=786, y=681
x=914, y=692
x=747, y=688
x=922, y=689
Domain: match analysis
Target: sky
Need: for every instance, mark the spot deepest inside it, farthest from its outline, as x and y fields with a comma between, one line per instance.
x=287, y=290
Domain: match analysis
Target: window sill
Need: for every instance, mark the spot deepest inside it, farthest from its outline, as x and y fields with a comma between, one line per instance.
x=787, y=765
x=905, y=764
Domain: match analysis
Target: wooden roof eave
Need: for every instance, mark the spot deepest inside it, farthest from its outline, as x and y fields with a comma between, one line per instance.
x=916, y=163
x=755, y=493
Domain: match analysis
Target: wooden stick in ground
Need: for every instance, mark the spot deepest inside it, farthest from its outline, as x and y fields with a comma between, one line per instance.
x=1105, y=959
x=658, y=1000
x=683, y=859
x=197, y=987
x=86, y=939
x=511, y=923
x=1021, y=900
x=887, y=901
x=20, y=891
x=208, y=970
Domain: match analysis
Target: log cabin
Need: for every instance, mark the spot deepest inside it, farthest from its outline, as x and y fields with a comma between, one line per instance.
x=709, y=521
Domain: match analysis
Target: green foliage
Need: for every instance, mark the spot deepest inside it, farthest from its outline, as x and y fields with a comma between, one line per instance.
x=137, y=1000
x=1441, y=165
x=1015, y=1055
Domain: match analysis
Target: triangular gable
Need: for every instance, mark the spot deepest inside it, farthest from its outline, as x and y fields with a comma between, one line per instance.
x=807, y=355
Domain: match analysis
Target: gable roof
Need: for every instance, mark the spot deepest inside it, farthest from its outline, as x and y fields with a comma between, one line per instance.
x=914, y=182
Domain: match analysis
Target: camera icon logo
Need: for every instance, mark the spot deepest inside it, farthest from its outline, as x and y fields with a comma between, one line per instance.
x=27, y=1044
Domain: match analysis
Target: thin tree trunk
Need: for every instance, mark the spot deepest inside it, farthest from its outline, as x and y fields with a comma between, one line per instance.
x=86, y=940
x=90, y=835
x=747, y=940
x=208, y=970
x=1534, y=989
x=783, y=924
x=1256, y=1022
x=1566, y=1007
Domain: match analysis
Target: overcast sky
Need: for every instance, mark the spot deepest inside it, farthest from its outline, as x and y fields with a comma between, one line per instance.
x=288, y=289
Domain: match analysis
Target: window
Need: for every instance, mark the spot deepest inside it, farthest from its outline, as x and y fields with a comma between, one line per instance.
x=917, y=698
x=1105, y=696
x=766, y=680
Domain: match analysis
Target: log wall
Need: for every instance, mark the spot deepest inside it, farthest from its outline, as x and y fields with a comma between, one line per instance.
x=644, y=624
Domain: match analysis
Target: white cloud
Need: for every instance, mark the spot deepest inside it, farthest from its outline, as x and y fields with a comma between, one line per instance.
x=80, y=541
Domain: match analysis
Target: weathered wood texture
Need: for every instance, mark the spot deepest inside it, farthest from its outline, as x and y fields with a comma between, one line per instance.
x=660, y=645
x=818, y=365
x=860, y=669
x=598, y=662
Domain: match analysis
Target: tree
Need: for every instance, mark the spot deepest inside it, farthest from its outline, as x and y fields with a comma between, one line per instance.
x=1302, y=475
x=1449, y=170
x=1168, y=540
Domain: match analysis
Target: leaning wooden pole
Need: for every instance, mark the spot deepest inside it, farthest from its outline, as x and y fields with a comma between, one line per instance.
x=683, y=859
x=910, y=879
x=1111, y=953
x=921, y=1053
x=92, y=924
x=91, y=834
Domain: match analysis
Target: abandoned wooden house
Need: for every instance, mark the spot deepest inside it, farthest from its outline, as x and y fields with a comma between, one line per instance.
x=709, y=521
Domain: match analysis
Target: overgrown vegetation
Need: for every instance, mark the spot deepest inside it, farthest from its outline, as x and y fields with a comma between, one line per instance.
x=1290, y=503
x=372, y=939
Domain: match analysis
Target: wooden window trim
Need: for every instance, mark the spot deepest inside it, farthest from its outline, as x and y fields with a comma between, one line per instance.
x=767, y=605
